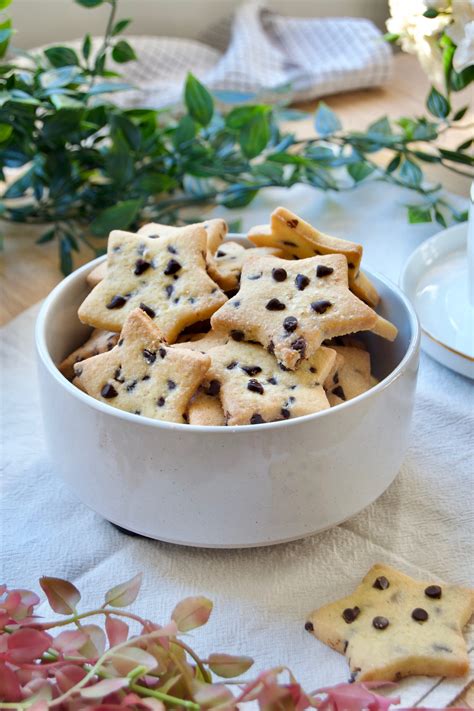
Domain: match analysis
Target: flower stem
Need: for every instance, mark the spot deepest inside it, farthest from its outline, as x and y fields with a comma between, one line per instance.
x=164, y=697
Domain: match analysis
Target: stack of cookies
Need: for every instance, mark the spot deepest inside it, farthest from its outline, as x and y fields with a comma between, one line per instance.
x=192, y=328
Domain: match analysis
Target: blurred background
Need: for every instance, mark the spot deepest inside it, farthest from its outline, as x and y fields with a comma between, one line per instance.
x=50, y=20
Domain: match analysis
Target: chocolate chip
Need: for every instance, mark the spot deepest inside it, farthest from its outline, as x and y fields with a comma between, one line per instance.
x=350, y=614
x=118, y=375
x=291, y=400
x=220, y=253
x=120, y=343
x=419, y=614
x=322, y=270
x=256, y=419
x=169, y=290
x=255, y=387
x=299, y=345
x=290, y=324
x=272, y=381
x=279, y=274
x=285, y=413
x=150, y=356
x=381, y=583
x=321, y=306
x=108, y=391
x=301, y=281
x=433, y=591
x=172, y=267
x=235, y=304
x=171, y=249
x=292, y=223
x=162, y=352
x=141, y=265
x=351, y=265
x=275, y=305
x=131, y=386
x=137, y=412
x=214, y=387
x=380, y=623
x=346, y=644
x=309, y=627
x=312, y=369
x=171, y=385
x=339, y=392
x=116, y=302
x=232, y=365
x=441, y=648
x=149, y=312
x=254, y=277
x=160, y=402
x=283, y=367
x=271, y=348
x=237, y=335
x=354, y=675
x=146, y=377
x=251, y=369
x=335, y=378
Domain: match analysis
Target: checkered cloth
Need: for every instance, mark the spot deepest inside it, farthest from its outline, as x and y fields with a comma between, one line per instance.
x=259, y=53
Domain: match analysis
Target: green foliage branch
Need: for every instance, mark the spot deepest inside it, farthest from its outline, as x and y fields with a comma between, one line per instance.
x=88, y=166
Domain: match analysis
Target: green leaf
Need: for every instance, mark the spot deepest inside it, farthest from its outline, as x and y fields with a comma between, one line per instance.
x=46, y=236
x=192, y=612
x=411, y=173
x=439, y=217
x=107, y=87
x=61, y=56
x=184, y=132
x=360, y=170
x=119, y=216
x=382, y=127
x=457, y=157
x=56, y=78
x=156, y=183
x=123, y=52
x=465, y=145
x=418, y=214
x=228, y=666
x=288, y=159
x=87, y=46
x=61, y=123
x=4, y=4
x=325, y=120
x=5, y=132
x=120, y=26
x=437, y=104
x=272, y=171
x=237, y=196
x=254, y=136
x=394, y=163
x=427, y=157
x=199, y=101
x=391, y=37
x=5, y=34
x=90, y=3
x=460, y=113
x=430, y=13
x=129, y=130
x=459, y=81
x=241, y=115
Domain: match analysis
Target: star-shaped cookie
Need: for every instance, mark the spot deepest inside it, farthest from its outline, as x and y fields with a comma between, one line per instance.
x=98, y=342
x=291, y=307
x=254, y=390
x=300, y=240
x=393, y=626
x=351, y=376
x=225, y=266
x=166, y=277
x=142, y=375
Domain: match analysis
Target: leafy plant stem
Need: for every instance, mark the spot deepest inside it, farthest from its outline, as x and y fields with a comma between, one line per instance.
x=144, y=691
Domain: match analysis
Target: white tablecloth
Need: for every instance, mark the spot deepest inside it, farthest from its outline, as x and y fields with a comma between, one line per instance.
x=422, y=524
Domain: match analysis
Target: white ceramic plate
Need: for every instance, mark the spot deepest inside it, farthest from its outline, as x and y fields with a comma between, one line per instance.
x=435, y=279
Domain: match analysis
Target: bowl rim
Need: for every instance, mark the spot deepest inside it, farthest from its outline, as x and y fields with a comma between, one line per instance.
x=460, y=231
x=46, y=359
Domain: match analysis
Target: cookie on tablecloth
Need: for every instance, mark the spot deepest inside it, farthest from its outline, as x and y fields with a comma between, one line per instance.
x=165, y=277
x=393, y=626
x=142, y=375
x=292, y=307
x=98, y=342
x=253, y=389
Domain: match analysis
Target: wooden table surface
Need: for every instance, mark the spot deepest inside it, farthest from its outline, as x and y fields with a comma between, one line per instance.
x=29, y=271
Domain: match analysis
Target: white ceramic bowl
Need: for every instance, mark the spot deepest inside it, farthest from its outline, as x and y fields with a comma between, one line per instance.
x=227, y=486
